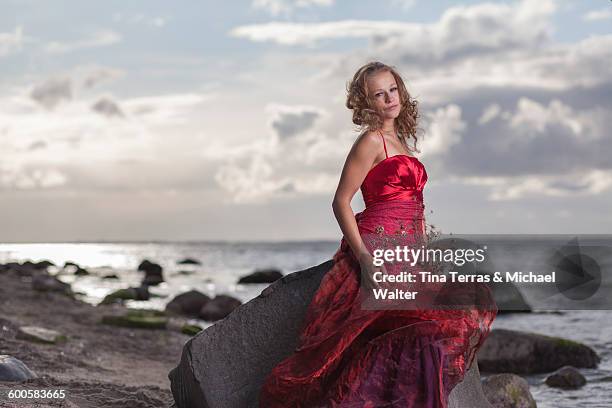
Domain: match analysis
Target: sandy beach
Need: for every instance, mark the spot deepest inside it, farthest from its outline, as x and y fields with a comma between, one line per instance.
x=98, y=365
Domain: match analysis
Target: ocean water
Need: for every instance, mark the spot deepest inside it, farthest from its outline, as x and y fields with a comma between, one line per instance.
x=223, y=263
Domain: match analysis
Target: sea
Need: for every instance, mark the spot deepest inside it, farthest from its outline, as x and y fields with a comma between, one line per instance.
x=223, y=263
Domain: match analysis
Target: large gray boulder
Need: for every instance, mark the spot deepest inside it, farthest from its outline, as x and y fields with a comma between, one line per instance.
x=226, y=364
x=513, y=351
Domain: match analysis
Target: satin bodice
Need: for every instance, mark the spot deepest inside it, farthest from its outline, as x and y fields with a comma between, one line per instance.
x=399, y=177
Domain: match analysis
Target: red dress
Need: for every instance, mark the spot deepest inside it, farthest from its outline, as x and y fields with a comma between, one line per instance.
x=350, y=356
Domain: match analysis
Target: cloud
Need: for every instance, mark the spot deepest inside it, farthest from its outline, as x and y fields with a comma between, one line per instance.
x=403, y=4
x=165, y=108
x=311, y=33
x=532, y=149
x=92, y=76
x=52, y=91
x=558, y=135
x=598, y=15
x=289, y=121
x=107, y=107
x=11, y=42
x=76, y=148
x=461, y=30
x=101, y=38
x=490, y=113
x=30, y=178
x=490, y=46
x=500, y=99
x=259, y=178
x=580, y=184
x=532, y=117
x=36, y=145
x=277, y=7
x=140, y=18
x=252, y=182
x=294, y=159
x=444, y=131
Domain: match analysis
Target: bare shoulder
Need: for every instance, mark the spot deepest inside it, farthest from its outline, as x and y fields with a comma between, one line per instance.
x=367, y=143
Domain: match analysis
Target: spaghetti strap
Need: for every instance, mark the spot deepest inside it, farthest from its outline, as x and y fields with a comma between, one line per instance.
x=384, y=144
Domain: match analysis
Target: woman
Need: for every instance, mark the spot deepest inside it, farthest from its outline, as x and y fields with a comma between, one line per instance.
x=349, y=355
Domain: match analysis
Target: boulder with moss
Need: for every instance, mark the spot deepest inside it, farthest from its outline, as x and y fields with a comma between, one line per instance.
x=138, y=319
x=513, y=351
x=508, y=391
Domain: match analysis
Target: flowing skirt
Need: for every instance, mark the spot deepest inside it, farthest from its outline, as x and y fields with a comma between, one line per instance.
x=350, y=356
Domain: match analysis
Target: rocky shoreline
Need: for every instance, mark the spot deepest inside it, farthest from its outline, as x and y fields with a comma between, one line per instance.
x=109, y=355
x=98, y=365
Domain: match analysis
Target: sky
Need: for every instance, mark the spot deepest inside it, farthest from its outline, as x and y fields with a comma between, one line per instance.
x=207, y=120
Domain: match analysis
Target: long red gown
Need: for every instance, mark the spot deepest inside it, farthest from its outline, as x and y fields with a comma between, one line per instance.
x=351, y=356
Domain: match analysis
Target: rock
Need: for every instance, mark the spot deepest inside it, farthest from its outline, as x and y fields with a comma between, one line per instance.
x=28, y=264
x=119, y=295
x=140, y=293
x=225, y=364
x=567, y=377
x=42, y=265
x=153, y=273
x=152, y=280
x=262, y=276
x=188, y=303
x=191, y=329
x=12, y=369
x=11, y=265
x=189, y=261
x=511, y=351
x=182, y=325
x=48, y=283
x=26, y=269
x=508, y=298
x=81, y=272
x=508, y=391
x=138, y=319
x=219, y=307
x=469, y=392
x=147, y=266
x=40, y=335
x=110, y=276
x=184, y=273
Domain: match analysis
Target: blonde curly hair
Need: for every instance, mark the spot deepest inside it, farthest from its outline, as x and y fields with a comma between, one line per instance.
x=364, y=115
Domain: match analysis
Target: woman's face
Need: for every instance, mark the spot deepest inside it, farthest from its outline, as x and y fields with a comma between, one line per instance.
x=383, y=94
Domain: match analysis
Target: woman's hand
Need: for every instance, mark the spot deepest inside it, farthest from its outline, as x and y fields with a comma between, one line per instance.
x=366, y=262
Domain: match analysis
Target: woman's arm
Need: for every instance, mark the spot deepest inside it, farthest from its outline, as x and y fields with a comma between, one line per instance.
x=358, y=163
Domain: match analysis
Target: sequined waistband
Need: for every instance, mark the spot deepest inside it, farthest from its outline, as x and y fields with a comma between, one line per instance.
x=392, y=215
x=402, y=196
x=395, y=204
